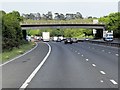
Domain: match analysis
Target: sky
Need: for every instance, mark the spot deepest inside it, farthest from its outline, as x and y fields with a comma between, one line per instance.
x=87, y=8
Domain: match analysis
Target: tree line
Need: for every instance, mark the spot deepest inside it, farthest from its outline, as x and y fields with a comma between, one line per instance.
x=49, y=16
x=68, y=32
x=12, y=33
x=11, y=30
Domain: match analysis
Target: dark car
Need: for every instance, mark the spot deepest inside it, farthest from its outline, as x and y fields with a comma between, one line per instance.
x=68, y=40
x=58, y=40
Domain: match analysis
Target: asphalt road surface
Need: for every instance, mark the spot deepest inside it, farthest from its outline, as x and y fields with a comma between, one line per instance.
x=78, y=65
x=114, y=40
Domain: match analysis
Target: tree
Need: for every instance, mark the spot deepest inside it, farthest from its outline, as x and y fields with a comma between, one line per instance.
x=112, y=22
x=49, y=15
x=78, y=15
x=17, y=15
x=44, y=16
x=57, y=16
x=11, y=30
x=62, y=17
x=89, y=17
x=38, y=16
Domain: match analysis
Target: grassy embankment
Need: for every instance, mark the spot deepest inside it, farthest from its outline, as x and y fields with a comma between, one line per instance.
x=59, y=21
x=7, y=55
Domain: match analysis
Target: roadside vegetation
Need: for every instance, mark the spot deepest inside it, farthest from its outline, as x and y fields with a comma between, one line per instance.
x=12, y=36
x=84, y=21
x=7, y=55
x=13, y=43
x=112, y=22
x=11, y=30
x=68, y=32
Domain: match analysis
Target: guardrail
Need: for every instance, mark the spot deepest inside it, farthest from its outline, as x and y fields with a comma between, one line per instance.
x=104, y=43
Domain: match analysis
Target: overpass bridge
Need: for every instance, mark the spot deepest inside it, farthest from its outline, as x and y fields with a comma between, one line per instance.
x=99, y=27
x=62, y=25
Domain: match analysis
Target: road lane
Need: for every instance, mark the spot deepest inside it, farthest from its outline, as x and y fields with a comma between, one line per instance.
x=68, y=66
x=111, y=49
x=65, y=68
x=104, y=61
x=16, y=72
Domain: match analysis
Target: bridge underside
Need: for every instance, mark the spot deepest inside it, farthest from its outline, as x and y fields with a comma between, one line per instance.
x=99, y=34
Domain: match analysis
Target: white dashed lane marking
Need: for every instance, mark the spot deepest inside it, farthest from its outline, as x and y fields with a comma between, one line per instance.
x=87, y=59
x=93, y=65
x=116, y=54
x=102, y=72
x=101, y=81
x=113, y=81
x=103, y=50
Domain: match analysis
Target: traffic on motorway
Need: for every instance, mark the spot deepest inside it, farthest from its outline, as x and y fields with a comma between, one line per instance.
x=61, y=62
x=56, y=50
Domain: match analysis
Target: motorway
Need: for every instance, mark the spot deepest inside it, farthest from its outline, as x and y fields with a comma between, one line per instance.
x=77, y=65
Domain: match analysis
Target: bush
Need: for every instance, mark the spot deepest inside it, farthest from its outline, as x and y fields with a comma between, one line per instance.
x=11, y=30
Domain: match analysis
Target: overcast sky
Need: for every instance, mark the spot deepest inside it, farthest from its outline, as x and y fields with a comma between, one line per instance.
x=86, y=8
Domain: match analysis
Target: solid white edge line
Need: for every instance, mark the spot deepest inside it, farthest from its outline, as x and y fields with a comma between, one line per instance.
x=25, y=84
x=102, y=72
x=113, y=81
x=19, y=56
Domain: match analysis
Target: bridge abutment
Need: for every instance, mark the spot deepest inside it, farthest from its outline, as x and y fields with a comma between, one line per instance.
x=99, y=34
x=24, y=32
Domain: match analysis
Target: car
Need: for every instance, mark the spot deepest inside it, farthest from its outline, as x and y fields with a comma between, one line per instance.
x=86, y=39
x=55, y=38
x=74, y=40
x=108, y=39
x=58, y=40
x=68, y=40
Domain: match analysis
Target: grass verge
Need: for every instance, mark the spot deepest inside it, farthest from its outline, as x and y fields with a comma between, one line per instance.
x=7, y=55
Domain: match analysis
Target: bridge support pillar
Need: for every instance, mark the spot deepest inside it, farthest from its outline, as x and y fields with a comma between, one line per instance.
x=24, y=34
x=99, y=34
